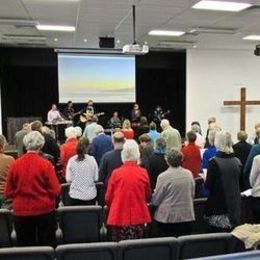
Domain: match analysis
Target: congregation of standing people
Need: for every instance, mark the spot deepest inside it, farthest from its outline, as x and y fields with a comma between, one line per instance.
x=149, y=174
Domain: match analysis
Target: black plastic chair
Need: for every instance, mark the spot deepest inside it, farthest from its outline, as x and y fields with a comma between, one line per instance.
x=150, y=248
x=91, y=251
x=5, y=228
x=64, y=197
x=80, y=224
x=100, y=193
x=199, y=226
x=27, y=253
x=204, y=245
x=252, y=255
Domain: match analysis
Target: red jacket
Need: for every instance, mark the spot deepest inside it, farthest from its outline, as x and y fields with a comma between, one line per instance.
x=128, y=134
x=127, y=195
x=191, y=158
x=33, y=185
x=67, y=150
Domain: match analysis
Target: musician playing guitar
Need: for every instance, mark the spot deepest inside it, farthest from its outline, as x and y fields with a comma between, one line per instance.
x=87, y=113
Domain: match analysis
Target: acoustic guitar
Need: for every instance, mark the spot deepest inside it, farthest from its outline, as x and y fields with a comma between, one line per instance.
x=85, y=117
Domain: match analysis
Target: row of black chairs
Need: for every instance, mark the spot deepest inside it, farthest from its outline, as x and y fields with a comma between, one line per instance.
x=65, y=199
x=185, y=247
x=81, y=224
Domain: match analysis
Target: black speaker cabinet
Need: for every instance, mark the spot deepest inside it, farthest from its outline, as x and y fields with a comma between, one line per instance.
x=106, y=42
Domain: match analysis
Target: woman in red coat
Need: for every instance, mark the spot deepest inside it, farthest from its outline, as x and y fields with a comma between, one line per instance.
x=68, y=149
x=33, y=186
x=127, y=196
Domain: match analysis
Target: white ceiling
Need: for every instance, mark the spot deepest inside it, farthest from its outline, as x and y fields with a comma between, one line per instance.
x=95, y=18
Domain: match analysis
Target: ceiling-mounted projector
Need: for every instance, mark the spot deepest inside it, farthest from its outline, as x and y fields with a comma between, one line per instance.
x=135, y=49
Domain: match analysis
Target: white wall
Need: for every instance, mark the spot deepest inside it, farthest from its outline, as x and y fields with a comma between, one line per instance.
x=0, y=112
x=217, y=75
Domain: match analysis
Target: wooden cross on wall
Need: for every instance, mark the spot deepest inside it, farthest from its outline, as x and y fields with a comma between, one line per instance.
x=242, y=103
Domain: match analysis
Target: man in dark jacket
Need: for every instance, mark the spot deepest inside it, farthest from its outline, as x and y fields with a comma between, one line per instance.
x=112, y=159
x=242, y=150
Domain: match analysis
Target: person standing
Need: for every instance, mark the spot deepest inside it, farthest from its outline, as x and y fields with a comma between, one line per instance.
x=157, y=163
x=50, y=147
x=153, y=133
x=101, y=144
x=111, y=160
x=173, y=198
x=54, y=114
x=223, y=207
x=68, y=149
x=82, y=173
x=191, y=155
x=136, y=114
x=5, y=162
x=127, y=131
x=171, y=135
x=33, y=187
x=69, y=111
x=127, y=195
x=18, y=138
x=242, y=149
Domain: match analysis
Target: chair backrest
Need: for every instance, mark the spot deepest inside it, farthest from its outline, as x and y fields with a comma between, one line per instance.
x=27, y=253
x=198, y=187
x=252, y=255
x=90, y=251
x=199, y=226
x=5, y=228
x=80, y=224
x=150, y=248
x=100, y=193
x=65, y=198
x=204, y=245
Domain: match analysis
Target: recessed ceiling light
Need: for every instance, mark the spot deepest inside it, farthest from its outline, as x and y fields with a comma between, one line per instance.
x=166, y=33
x=85, y=40
x=56, y=39
x=55, y=28
x=221, y=6
x=252, y=37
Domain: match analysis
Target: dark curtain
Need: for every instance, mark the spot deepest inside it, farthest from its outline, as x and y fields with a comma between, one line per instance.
x=29, y=85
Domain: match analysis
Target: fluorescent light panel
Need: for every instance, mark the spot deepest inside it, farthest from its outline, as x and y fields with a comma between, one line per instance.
x=166, y=33
x=221, y=6
x=252, y=37
x=43, y=27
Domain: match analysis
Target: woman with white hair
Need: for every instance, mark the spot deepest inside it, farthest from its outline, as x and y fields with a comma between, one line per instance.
x=68, y=149
x=127, y=195
x=223, y=205
x=33, y=186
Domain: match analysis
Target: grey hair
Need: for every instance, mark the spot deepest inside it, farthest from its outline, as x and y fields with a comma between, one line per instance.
x=174, y=158
x=195, y=128
x=99, y=129
x=223, y=142
x=33, y=141
x=3, y=142
x=164, y=123
x=78, y=130
x=130, y=151
x=70, y=132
